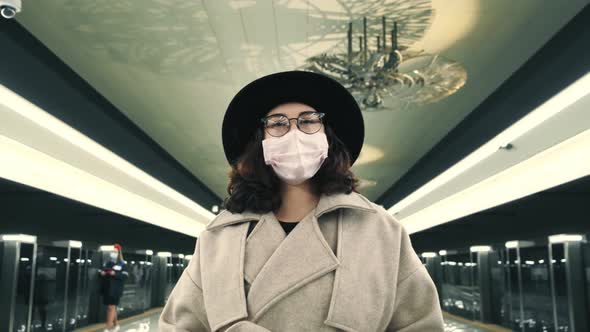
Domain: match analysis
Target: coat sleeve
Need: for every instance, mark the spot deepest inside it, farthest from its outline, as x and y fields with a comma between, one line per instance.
x=416, y=304
x=185, y=310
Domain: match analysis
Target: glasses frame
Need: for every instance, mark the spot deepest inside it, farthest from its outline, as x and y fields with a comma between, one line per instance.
x=264, y=121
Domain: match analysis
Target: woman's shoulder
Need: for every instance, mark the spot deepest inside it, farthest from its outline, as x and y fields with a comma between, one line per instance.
x=377, y=213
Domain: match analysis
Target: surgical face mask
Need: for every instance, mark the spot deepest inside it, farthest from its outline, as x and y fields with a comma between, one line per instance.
x=113, y=255
x=296, y=156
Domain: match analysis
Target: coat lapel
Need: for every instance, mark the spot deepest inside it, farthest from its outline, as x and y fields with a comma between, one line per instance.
x=300, y=258
x=261, y=244
x=276, y=265
x=222, y=265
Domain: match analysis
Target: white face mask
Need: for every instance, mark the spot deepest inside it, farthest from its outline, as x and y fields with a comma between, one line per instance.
x=113, y=255
x=296, y=156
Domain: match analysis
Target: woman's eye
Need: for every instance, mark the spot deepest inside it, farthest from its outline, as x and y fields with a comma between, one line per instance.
x=277, y=124
x=308, y=121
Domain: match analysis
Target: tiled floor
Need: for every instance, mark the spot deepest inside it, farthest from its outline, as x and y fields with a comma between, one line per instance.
x=150, y=324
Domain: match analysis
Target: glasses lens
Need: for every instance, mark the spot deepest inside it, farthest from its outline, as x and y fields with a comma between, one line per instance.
x=277, y=125
x=310, y=123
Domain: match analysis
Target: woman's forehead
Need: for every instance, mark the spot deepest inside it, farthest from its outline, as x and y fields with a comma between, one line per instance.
x=291, y=109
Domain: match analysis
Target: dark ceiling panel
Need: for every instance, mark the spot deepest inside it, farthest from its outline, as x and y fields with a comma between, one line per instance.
x=50, y=217
x=562, y=209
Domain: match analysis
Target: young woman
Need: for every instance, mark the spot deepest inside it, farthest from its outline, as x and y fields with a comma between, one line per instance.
x=113, y=275
x=297, y=248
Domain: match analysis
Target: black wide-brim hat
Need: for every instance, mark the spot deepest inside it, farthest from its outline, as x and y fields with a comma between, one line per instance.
x=260, y=96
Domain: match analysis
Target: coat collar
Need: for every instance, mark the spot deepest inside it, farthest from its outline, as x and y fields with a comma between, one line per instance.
x=326, y=204
x=268, y=251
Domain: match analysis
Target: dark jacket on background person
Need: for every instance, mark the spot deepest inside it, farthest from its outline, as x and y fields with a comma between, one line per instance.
x=112, y=286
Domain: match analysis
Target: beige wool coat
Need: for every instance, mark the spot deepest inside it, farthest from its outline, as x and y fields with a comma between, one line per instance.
x=348, y=266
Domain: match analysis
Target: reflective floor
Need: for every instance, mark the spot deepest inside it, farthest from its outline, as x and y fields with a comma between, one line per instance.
x=150, y=323
x=456, y=326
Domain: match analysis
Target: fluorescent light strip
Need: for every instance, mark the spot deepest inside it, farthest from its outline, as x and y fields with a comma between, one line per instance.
x=19, y=238
x=480, y=248
x=551, y=107
x=43, y=119
x=562, y=238
x=164, y=254
x=559, y=164
x=519, y=244
x=23, y=164
x=75, y=244
x=428, y=254
x=107, y=248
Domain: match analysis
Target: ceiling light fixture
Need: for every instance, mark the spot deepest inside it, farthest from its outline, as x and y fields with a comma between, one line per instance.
x=392, y=72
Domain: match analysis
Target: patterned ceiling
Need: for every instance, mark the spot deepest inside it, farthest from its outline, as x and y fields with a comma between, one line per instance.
x=173, y=66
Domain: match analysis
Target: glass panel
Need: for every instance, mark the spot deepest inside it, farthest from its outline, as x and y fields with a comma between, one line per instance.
x=146, y=281
x=559, y=283
x=87, y=273
x=536, y=289
x=498, y=285
x=475, y=298
x=458, y=291
x=169, y=278
x=23, y=286
x=132, y=301
x=511, y=301
x=177, y=268
x=586, y=258
x=73, y=288
x=48, y=303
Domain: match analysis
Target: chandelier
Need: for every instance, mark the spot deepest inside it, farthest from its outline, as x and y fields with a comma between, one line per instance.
x=390, y=76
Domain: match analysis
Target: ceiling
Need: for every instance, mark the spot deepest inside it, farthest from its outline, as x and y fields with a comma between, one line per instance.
x=171, y=67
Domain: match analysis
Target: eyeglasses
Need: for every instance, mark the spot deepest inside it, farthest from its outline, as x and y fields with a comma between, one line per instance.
x=278, y=125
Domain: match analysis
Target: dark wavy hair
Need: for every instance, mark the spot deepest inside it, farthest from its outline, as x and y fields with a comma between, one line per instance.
x=254, y=186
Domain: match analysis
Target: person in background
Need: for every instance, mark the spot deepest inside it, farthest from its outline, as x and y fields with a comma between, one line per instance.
x=113, y=275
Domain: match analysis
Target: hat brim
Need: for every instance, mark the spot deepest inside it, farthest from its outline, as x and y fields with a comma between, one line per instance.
x=259, y=97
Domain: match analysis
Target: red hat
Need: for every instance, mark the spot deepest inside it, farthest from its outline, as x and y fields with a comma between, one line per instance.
x=118, y=246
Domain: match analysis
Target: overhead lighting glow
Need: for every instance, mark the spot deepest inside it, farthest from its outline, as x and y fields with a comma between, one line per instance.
x=164, y=254
x=107, y=248
x=83, y=170
x=19, y=238
x=480, y=248
x=428, y=254
x=149, y=252
x=561, y=163
x=442, y=252
x=188, y=257
x=519, y=244
x=562, y=238
x=75, y=244
x=369, y=154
